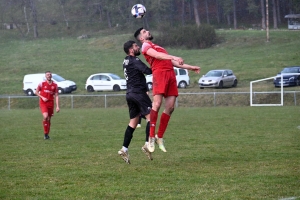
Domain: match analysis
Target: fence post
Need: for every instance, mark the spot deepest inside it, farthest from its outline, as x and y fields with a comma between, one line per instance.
x=214, y=99
x=295, y=99
x=105, y=100
x=72, y=102
x=8, y=102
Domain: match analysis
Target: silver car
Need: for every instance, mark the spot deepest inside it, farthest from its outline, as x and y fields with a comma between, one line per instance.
x=218, y=78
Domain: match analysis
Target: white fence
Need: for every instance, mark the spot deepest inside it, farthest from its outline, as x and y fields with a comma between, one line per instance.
x=203, y=99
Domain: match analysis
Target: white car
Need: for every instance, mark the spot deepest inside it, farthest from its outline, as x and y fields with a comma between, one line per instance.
x=31, y=81
x=182, y=78
x=105, y=82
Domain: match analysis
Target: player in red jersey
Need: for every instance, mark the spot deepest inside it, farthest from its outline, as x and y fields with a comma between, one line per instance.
x=47, y=91
x=164, y=84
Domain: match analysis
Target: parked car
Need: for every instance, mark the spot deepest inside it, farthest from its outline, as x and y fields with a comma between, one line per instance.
x=218, y=78
x=182, y=78
x=31, y=81
x=289, y=79
x=105, y=81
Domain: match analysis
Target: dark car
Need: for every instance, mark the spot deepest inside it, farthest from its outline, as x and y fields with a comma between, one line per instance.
x=288, y=79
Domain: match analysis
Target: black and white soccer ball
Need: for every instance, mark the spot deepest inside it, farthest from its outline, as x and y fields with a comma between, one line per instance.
x=138, y=11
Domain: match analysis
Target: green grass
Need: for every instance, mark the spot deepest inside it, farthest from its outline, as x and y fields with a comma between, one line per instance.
x=213, y=153
x=245, y=52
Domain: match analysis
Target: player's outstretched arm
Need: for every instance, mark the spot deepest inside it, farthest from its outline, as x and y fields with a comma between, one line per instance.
x=163, y=56
x=196, y=69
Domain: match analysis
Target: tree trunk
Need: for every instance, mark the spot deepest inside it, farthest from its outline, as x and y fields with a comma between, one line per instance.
x=207, y=12
x=218, y=12
x=108, y=19
x=274, y=15
x=234, y=15
x=182, y=12
x=196, y=13
x=63, y=11
x=278, y=11
x=263, y=14
x=26, y=20
x=228, y=19
x=34, y=19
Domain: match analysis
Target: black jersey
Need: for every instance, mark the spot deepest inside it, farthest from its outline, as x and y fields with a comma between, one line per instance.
x=134, y=70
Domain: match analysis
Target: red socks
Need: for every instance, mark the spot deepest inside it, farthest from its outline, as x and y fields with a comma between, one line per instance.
x=164, y=120
x=153, y=119
x=46, y=125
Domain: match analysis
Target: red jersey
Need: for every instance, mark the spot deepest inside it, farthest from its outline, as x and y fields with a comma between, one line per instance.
x=157, y=65
x=48, y=90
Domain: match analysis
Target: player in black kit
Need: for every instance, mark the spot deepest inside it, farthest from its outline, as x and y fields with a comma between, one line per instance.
x=138, y=101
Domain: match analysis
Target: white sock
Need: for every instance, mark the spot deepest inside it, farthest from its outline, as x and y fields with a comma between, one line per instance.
x=124, y=149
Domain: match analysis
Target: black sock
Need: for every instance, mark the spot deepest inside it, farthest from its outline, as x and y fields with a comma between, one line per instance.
x=128, y=136
x=147, y=131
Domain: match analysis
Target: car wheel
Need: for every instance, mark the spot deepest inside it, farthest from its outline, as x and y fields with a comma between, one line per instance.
x=60, y=91
x=116, y=88
x=182, y=84
x=201, y=87
x=221, y=84
x=90, y=88
x=298, y=82
x=149, y=85
x=29, y=92
x=234, y=83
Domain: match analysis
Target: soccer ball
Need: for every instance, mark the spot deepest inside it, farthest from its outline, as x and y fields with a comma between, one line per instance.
x=138, y=11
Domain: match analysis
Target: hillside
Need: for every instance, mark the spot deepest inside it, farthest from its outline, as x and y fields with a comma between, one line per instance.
x=246, y=52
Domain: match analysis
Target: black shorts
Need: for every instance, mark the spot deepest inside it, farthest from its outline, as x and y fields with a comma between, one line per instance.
x=138, y=104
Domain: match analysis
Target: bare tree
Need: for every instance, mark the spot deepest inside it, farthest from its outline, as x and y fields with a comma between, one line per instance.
x=26, y=18
x=196, y=13
x=218, y=11
x=207, y=12
x=234, y=15
x=34, y=18
x=274, y=15
x=62, y=2
x=263, y=14
x=182, y=11
x=278, y=11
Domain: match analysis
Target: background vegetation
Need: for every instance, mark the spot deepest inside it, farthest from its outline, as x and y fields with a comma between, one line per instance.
x=213, y=153
x=246, y=52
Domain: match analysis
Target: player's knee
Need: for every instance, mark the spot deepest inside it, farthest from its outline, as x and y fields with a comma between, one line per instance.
x=156, y=105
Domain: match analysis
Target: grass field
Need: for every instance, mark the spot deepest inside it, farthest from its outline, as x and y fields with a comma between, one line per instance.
x=213, y=153
x=246, y=52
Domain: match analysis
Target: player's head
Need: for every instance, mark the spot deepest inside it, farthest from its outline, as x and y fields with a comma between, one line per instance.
x=142, y=34
x=131, y=48
x=48, y=75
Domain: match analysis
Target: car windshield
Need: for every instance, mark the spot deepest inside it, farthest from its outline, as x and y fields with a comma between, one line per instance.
x=115, y=77
x=58, y=78
x=214, y=74
x=290, y=70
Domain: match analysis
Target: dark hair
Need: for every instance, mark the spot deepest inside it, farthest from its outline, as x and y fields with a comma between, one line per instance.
x=128, y=45
x=47, y=72
x=137, y=32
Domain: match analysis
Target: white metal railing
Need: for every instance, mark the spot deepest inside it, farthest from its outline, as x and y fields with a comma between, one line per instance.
x=201, y=99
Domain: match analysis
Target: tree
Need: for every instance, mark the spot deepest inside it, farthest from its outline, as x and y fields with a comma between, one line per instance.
x=207, y=12
x=263, y=14
x=196, y=13
x=34, y=19
x=234, y=15
x=274, y=15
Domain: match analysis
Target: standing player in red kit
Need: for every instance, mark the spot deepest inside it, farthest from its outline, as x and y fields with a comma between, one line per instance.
x=47, y=91
x=164, y=84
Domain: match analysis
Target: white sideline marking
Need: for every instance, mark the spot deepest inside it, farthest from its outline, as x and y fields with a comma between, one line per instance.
x=289, y=198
